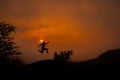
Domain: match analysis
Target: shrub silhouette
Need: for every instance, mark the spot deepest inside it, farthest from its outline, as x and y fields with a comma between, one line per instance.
x=64, y=56
x=16, y=61
x=7, y=46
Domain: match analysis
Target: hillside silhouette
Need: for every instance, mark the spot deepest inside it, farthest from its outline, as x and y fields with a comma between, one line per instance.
x=105, y=64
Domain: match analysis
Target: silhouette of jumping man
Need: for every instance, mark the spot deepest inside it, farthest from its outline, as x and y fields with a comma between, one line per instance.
x=43, y=47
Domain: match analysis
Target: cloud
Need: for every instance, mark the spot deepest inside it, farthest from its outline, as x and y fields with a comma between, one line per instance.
x=91, y=14
x=83, y=23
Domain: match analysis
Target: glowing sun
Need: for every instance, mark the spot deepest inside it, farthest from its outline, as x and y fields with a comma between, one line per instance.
x=41, y=40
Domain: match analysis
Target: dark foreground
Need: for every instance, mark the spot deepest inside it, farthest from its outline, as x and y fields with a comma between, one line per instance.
x=106, y=66
x=52, y=70
x=49, y=69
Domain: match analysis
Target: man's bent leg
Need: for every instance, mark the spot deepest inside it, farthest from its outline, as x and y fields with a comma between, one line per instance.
x=40, y=51
x=46, y=50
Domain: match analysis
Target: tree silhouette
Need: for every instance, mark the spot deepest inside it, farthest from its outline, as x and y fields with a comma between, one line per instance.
x=64, y=56
x=7, y=46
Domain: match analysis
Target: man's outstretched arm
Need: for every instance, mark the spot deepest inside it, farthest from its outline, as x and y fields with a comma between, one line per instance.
x=47, y=42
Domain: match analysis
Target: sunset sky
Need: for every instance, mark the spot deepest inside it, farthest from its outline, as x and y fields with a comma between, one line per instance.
x=87, y=27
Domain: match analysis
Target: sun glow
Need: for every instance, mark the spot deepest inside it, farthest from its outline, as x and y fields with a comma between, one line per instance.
x=41, y=41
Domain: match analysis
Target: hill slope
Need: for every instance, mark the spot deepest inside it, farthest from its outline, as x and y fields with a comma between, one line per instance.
x=107, y=64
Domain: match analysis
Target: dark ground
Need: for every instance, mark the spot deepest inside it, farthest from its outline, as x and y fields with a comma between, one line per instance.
x=106, y=66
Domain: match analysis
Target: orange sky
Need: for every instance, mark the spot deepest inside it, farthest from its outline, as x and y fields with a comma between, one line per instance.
x=88, y=27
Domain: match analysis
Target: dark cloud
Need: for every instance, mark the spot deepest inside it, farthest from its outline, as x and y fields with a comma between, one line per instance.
x=21, y=9
x=44, y=26
x=98, y=12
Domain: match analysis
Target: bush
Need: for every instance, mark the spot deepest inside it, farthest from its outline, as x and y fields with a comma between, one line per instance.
x=64, y=56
